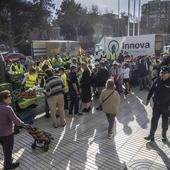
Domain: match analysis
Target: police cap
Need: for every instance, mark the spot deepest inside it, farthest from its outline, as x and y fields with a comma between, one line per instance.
x=165, y=69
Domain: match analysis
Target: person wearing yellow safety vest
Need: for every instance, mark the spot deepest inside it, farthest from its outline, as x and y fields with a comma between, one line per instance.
x=19, y=68
x=48, y=63
x=30, y=79
x=58, y=62
x=68, y=60
x=103, y=56
x=80, y=59
x=40, y=72
x=112, y=56
x=12, y=68
x=88, y=58
x=66, y=87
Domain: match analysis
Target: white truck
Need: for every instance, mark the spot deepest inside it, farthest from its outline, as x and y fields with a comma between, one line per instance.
x=42, y=48
x=134, y=45
x=166, y=49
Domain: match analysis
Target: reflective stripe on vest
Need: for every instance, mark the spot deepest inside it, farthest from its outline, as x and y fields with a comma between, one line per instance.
x=31, y=80
x=19, y=69
x=11, y=71
x=113, y=56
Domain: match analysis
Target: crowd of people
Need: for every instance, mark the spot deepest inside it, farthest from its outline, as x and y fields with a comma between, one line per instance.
x=69, y=80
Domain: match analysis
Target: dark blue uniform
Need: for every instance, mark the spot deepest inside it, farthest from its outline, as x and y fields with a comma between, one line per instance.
x=160, y=91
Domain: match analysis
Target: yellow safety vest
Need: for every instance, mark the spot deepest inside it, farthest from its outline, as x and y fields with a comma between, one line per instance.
x=113, y=56
x=19, y=70
x=40, y=72
x=104, y=56
x=48, y=63
x=64, y=78
x=68, y=61
x=10, y=69
x=31, y=80
x=81, y=60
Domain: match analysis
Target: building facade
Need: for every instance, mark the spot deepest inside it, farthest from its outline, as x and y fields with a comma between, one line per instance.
x=110, y=25
x=155, y=17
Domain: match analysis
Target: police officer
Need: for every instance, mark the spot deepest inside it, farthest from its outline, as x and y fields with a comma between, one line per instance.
x=160, y=91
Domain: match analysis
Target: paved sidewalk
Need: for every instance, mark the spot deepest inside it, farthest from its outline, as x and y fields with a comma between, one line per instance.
x=83, y=143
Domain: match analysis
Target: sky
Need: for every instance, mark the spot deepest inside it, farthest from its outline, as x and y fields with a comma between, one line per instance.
x=110, y=5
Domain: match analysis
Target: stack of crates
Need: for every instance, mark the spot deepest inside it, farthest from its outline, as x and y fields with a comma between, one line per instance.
x=26, y=116
x=6, y=86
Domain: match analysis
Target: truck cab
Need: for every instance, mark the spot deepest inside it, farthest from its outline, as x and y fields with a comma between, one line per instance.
x=166, y=49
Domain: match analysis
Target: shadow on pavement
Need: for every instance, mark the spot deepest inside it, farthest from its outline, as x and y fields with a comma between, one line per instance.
x=161, y=153
x=132, y=108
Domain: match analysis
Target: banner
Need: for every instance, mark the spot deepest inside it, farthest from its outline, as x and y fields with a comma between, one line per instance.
x=134, y=45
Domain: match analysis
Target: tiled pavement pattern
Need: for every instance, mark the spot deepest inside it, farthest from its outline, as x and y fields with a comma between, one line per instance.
x=83, y=143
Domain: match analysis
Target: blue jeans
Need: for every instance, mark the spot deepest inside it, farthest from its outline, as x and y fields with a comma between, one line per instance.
x=111, y=120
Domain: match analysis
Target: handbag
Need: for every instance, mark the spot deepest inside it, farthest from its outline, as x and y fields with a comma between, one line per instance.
x=100, y=106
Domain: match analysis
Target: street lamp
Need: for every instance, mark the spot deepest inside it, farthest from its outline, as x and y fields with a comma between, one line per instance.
x=134, y=10
x=139, y=17
x=128, y=17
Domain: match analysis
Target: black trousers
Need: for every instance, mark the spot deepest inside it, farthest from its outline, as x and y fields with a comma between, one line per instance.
x=7, y=143
x=157, y=112
x=74, y=103
x=66, y=101
x=46, y=106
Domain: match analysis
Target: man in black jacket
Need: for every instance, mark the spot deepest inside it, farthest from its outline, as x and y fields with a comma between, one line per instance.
x=101, y=77
x=160, y=91
x=74, y=92
x=143, y=73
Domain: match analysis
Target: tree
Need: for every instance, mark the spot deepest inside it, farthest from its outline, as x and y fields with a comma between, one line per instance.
x=73, y=20
x=13, y=19
x=43, y=17
x=18, y=18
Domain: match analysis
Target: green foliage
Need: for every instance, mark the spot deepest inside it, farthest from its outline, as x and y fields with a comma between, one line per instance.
x=18, y=18
x=73, y=20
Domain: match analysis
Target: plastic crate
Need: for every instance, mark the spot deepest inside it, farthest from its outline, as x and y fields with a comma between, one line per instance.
x=6, y=86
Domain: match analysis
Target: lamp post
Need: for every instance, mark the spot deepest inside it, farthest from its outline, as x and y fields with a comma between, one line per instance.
x=118, y=24
x=134, y=10
x=139, y=17
x=128, y=17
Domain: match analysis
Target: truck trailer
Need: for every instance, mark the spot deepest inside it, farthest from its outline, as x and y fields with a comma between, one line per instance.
x=42, y=48
x=151, y=44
